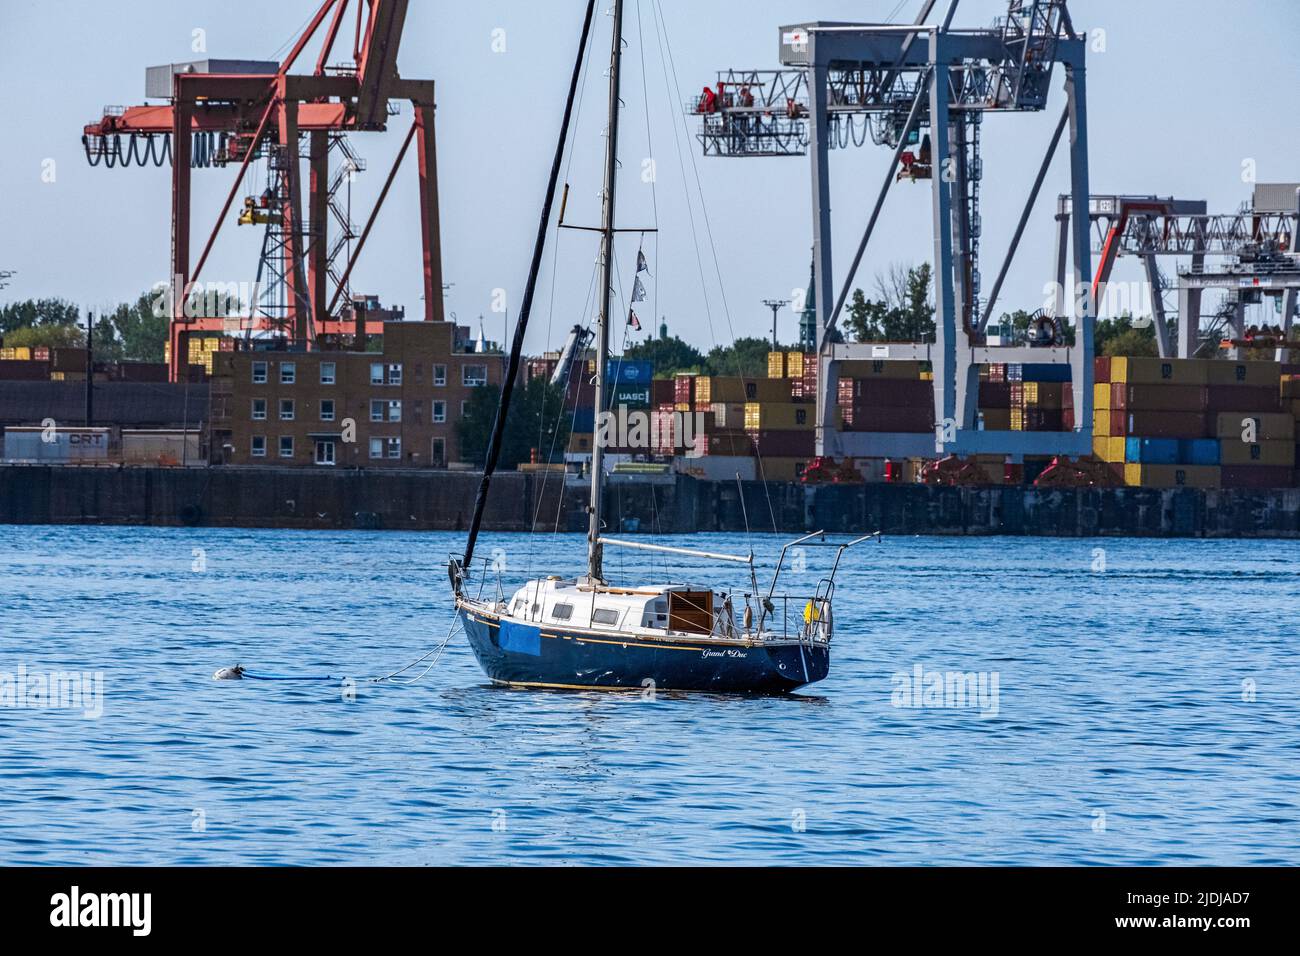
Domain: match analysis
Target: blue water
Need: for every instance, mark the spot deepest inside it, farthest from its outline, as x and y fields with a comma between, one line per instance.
x=1125, y=731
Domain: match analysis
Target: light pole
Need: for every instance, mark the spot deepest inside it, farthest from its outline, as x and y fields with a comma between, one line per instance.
x=775, y=305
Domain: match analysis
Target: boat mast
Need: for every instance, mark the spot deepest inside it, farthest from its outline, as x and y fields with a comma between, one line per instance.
x=607, y=290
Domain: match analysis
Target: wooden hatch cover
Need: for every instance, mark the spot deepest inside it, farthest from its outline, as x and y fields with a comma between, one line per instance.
x=690, y=611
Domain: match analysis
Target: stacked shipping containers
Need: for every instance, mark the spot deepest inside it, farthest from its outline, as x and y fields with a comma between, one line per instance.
x=1204, y=423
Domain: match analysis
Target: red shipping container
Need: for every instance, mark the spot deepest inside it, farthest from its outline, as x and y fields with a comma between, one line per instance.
x=1241, y=398
x=1256, y=476
x=890, y=392
x=24, y=370
x=1101, y=368
x=1151, y=397
x=684, y=390
x=785, y=443
x=663, y=391
x=878, y=418
x=993, y=394
x=1164, y=424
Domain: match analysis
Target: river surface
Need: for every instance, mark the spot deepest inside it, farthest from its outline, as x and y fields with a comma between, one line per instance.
x=1130, y=702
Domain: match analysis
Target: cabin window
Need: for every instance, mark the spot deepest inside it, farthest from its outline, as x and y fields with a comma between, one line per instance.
x=604, y=615
x=562, y=612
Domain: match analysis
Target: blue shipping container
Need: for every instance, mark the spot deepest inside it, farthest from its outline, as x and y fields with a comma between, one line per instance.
x=1151, y=451
x=1045, y=372
x=1198, y=451
x=629, y=372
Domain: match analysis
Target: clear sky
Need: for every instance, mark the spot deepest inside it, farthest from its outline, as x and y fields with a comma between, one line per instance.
x=1182, y=94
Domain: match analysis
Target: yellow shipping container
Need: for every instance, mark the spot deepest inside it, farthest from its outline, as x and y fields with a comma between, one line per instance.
x=776, y=365
x=1140, y=370
x=580, y=442
x=1267, y=426
x=1101, y=396
x=1101, y=421
x=794, y=364
x=777, y=415
x=1233, y=451
x=1108, y=449
x=1219, y=372
x=724, y=388
x=1171, y=476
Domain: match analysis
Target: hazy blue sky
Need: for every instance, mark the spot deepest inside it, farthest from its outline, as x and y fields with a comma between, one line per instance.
x=1184, y=91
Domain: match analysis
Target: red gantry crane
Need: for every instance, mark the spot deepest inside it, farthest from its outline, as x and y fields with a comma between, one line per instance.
x=227, y=112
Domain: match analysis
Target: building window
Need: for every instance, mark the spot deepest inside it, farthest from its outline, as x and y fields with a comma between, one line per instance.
x=395, y=411
x=376, y=448
x=327, y=409
x=325, y=452
x=328, y=371
x=286, y=409
x=376, y=410
x=439, y=411
x=440, y=375
x=376, y=373
x=286, y=446
x=394, y=375
x=473, y=374
x=259, y=446
x=288, y=373
x=259, y=409
x=259, y=373
x=394, y=448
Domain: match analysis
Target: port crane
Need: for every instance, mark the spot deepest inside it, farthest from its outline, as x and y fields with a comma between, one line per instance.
x=928, y=86
x=232, y=112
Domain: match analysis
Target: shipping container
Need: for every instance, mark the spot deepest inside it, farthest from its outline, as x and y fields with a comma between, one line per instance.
x=881, y=368
x=776, y=365
x=1101, y=368
x=996, y=419
x=784, y=442
x=636, y=372
x=1151, y=451
x=886, y=392
x=794, y=365
x=57, y=445
x=25, y=370
x=759, y=415
x=663, y=392
x=782, y=468
x=1262, y=427
x=1198, y=451
x=630, y=396
x=719, y=467
x=728, y=414
x=1257, y=476
x=684, y=391
x=1165, y=424
x=166, y=447
x=1145, y=396
x=1110, y=449
x=1262, y=374
x=1171, y=476
x=1140, y=370
x=1241, y=398
x=1044, y=372
x=1233, y=451
x=880, y=418
x=1101, y=396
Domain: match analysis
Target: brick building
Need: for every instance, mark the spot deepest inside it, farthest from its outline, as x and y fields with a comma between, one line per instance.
x=292, y=408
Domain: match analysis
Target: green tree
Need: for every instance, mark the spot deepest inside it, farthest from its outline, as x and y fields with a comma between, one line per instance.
x=50, y=336
x=746, y=358
x=669, y=356
x=139, y=330
x=902, y=312
x=538, y=419
x=37, y=313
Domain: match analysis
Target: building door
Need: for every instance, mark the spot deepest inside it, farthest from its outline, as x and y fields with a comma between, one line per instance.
x=325, y=452
x=438, y=457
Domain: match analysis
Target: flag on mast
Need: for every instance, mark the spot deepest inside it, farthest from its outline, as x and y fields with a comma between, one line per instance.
x=633, y=321
x=641, y=264
x=638, y=290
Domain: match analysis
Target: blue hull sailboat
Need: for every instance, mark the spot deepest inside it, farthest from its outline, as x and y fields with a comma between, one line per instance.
x=585, y=632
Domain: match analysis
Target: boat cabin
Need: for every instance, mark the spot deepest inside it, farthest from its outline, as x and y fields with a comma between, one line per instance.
x=675, y=608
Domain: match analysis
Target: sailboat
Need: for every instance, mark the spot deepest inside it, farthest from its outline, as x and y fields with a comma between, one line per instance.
x=584, y=632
